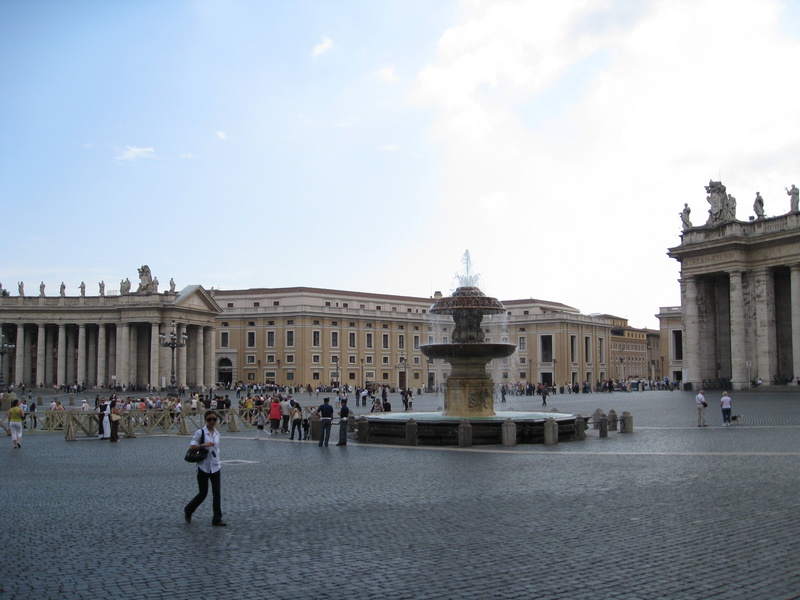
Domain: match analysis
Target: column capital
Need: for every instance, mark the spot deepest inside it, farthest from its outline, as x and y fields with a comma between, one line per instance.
x=795, y=268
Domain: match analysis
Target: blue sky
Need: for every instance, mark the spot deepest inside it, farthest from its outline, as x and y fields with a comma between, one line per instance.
x=366, y=145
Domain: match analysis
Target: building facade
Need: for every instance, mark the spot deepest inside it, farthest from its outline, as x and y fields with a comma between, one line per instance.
x=740, y=296
x=320, y=337
x=630, y=350
x=670, y=357
x=109, y=340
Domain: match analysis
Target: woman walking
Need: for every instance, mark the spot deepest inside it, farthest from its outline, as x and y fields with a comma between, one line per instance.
x=725, y=403
x=15, y=417
x=208, y=469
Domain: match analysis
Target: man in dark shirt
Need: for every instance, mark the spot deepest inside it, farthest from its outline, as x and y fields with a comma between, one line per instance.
x=344, y=413
x=325, y=412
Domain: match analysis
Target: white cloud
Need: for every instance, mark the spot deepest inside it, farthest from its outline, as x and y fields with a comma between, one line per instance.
x=386, y=74
x=324, y=46
x=189, y=155
x=595, y=121
x=221, y=135
x=133, y=153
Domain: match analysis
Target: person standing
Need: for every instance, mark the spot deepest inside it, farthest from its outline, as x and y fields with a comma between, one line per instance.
x=725, y=403
x=325, y=412
x=15, y=417
x=297, y=421
x=105, y=423
x=114, y=417
x=208, y=469
x=701, y=409
x=544, y=395
x=274, y=416
x=344, y=414
x=286, y=412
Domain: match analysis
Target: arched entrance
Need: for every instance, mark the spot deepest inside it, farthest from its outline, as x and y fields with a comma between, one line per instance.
x=225, y=371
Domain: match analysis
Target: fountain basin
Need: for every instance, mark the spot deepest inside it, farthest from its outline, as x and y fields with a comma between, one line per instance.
x=482, y=351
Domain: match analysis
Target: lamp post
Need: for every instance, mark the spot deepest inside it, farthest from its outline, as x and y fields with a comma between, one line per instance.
x=555, y=379
x=4, y=348
x=172, y=341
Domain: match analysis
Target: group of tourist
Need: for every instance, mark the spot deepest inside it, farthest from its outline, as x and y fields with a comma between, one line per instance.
x=725, y=404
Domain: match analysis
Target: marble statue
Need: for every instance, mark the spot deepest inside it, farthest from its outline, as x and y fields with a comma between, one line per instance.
x=730, y=209
x=146, y=283
x=125, y=287
x=794, y=196
x=83, y=288
x=154, y=285
x=21, y=288
x=41, y=289
x=717, y=197
x=62, y=291
x=102, y=285
x=687, y=224
x=758, y=206
x=171, y=285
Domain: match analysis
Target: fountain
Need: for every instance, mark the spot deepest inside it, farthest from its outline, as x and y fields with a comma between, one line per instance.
x=469, y=394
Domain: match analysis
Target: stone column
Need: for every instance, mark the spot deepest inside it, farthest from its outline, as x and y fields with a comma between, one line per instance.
x=155, y=380
x=19, y=357
x=61, y=378
x=691, y=330
x=81, y=354
x=764, y=299
x=40, y=356
x=101, y=355
x=123, y=352
x=180, y=359
x=738, y=354
x=208, y=352
x=198, y=369
x=795, y=300
x=133, y=355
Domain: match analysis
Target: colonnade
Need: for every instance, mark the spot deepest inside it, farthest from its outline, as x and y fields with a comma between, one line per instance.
x=757, y=310
x=108, y=354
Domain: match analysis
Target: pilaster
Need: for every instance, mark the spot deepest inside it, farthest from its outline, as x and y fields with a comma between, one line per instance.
x=738, y=350
x=155, y=347
x=81, y=354
x=764, y=298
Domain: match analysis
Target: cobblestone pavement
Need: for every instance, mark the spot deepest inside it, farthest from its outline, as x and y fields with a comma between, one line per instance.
x=670, y=511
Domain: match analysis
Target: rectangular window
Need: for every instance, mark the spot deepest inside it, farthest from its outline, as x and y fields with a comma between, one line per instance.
x=351, y=359
x=290, y=338
x=401, y=341
x=369, y=360
x=270, y=358
x=523, y=343
x=251, y=359
x=270, y=339
x=416, y=360
x=315, y=339
x=546, y=348
x=385, y=360
x=224, y=339
x=351, y=339
x=369, y=341
x=587, y=349
x=601, y=349
x=315, y=376
x=251, y=339
x=290, y=358
x=416, y=342
x=522, y=360
x=677, y=344
x=573, y=348
x=430, y=339
x=523, y=374
x=334, y=339
x=385, y=341
x=315, y=359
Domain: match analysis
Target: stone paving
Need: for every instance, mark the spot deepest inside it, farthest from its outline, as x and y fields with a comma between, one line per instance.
x=670, y=511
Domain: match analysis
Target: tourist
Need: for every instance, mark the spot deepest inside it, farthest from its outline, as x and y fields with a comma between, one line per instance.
x=15, y=417
x=274, y=416
x=701, y=409
x=297, y=420
x=326, y=413
x=544, y=395
x=344, y=413
x=32, y=415
x=105, y=425
x=208, y=469
x=725, y=403
x=261, y=420
x=286, y=413
x=114, y=418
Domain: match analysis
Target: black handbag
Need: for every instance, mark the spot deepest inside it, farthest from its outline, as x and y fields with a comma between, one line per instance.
x=196, y=455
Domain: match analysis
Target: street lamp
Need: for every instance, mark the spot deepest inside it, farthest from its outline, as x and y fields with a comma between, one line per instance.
x=4, y=348
x=555, y=379
x=172, y=341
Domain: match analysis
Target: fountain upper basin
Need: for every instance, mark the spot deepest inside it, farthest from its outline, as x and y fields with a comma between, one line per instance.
x=465, y=351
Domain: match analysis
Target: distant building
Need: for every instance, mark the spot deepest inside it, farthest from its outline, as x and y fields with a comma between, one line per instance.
x=670, y=355
x=304, y=336
x=631, y=351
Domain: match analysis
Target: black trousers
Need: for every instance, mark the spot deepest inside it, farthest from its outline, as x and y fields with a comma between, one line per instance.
x=202, y=485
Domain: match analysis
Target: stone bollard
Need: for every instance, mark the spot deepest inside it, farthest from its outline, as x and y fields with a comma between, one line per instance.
x=72, y=399
x=612, y=420
x=411, y=432
x=596, y=418
x=550, y=432
x=509, y=433
x=130, y=426
x=182, y=428
x=363, y=430
x=232, y=426
x=315, y=424
x=580, y=428
x=465, y=434
x=603, y=425
x=626, y=423
x=69, y=429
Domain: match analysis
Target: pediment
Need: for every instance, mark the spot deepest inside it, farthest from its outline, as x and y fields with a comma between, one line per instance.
x=195, y=297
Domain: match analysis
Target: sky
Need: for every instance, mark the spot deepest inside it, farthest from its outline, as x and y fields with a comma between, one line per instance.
x=364, y=146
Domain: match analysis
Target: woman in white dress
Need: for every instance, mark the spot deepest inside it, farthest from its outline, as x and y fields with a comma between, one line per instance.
x=105, y=423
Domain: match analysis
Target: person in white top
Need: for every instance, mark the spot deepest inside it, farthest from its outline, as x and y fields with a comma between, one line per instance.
x=208, y=469
x=701, y=409
x=725, y=403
